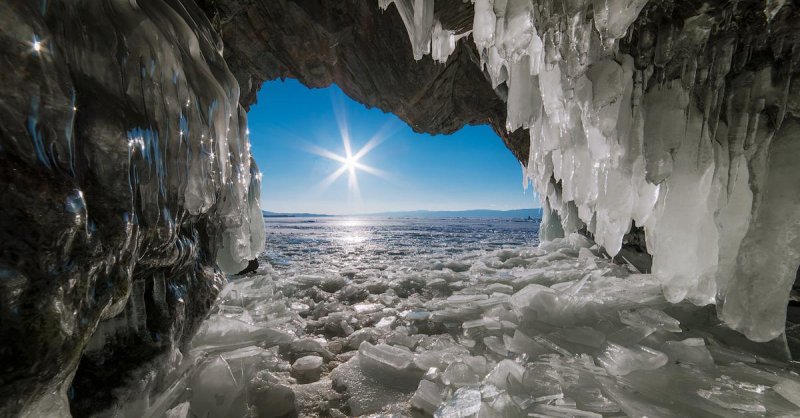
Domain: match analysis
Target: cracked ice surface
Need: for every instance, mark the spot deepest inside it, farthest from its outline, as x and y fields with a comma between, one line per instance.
x=553, y=330
x=677, y=142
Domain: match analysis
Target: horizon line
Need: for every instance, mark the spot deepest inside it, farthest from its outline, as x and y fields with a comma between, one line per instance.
x=398, y=211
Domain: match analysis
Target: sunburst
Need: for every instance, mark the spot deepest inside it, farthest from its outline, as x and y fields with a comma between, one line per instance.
x=351, y=161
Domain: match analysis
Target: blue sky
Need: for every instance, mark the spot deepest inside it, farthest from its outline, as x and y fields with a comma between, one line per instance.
x=470, y=169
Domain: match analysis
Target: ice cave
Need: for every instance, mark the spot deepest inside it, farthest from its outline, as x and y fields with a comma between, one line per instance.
x=662, y=136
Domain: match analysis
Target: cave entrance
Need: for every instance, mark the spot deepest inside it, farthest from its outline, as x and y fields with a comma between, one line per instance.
x=361, y=180
x=322, y=153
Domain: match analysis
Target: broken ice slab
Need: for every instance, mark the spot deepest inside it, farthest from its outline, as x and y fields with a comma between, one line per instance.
x=464, y=403
x=499, y=288
x=649, y=318
x=403, y=339
x=269, y=395
x=619, y=360
x=216, y=392
x=734, y=399
x=367, y=308
x=592, y=399
x=502, y=372
x=541, y=382
x=417, y=315
x=727, y=355
x=459, y=374
x=498, y=404
x=496, y=345
x=355, y=339
x=366, y=394
x=629, y=335
x=428, y=396
x=475, y=326
x=544, y=410
x=522, y=344
x=578, y=339
x=456, y=300
x=440, y=358
x=386, y=323
x=789, y=389
x=221, y=333
x=689, y=351
x=390, y=364
x=180, y=411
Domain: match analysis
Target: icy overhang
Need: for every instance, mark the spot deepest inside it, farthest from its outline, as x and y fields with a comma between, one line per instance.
x=678, y=116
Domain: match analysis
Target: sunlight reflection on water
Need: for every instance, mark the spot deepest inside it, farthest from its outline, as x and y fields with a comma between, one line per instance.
x=314, y=244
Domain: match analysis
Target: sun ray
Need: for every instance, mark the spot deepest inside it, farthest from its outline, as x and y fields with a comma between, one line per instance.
x=371, y=170
x=350, y=160
x=322, y=152
x=384, y=132
x=327, y=181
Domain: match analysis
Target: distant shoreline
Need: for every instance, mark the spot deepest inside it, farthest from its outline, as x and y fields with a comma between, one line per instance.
x=535, y=213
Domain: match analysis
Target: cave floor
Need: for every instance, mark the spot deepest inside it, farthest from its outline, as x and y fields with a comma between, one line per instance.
x=550, y=331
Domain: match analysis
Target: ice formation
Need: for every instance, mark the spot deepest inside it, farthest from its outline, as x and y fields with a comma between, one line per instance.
x=641, y=113
x=126, y=180
x=556, y=331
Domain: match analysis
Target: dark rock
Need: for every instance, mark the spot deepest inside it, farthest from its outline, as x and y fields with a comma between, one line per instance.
x=366, y=52
x=252, y=266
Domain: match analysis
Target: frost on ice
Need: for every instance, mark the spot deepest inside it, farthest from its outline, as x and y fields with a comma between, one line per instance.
x=678, y=127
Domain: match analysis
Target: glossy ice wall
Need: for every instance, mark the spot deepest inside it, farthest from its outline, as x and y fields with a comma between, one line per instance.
x=126, y=181
x=681, y=117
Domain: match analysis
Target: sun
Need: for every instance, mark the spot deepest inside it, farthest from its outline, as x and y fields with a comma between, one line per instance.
x=351, y=161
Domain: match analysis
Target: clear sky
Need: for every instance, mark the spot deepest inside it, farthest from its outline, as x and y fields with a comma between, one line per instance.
x=292, y=125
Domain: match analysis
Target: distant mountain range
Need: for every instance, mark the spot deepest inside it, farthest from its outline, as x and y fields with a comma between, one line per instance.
x=472, y=213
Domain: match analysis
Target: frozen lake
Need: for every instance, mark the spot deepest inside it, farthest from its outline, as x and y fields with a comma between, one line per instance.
x=357, y=243
x=463, y=318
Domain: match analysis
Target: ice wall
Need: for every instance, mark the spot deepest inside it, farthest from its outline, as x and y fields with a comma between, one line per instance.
x=126, y=178
x=681, y=118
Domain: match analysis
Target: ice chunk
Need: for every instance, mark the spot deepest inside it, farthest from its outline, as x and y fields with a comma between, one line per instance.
x=428, y=396
x=495, y=345
x=307, y=369
x=388, y=363
x=689, y=351
x=502, y=373
x=216, y=392
x=649, y=318
x=459, y=374
x=541, y=383
x=269, y=396
x=522, y=344
x=180, y=411
x=368, y=393
x=619, y=361
x=544, y=410
x=219, y=332
x=730, y=398
x=789, y=389
x=464, y=403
